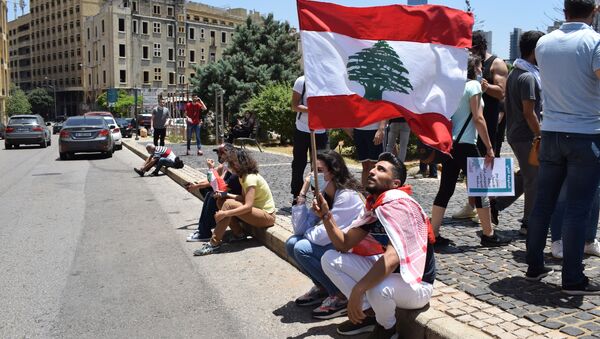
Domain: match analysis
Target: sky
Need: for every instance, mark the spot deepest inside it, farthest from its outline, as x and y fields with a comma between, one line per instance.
x=499, y=16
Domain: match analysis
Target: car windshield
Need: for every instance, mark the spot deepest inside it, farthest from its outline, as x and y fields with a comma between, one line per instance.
x=22, y=121
x=97, y=122
x=121, y=121
x=110, y=120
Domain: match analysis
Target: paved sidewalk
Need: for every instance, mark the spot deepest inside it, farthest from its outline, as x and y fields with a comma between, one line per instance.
x=478, y=289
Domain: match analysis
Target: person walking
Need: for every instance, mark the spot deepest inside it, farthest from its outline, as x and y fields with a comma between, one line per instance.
x=193, y=121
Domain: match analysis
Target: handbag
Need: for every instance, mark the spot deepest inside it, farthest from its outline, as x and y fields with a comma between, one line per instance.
x=429, y=155
x=534, y=153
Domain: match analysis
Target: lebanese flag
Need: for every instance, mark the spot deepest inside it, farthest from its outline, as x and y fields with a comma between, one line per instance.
x=364, y=65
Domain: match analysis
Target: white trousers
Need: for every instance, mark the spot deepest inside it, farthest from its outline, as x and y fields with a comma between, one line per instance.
x=346, y=269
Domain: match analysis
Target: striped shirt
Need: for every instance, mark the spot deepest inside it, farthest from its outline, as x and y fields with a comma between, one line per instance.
x=164, y=152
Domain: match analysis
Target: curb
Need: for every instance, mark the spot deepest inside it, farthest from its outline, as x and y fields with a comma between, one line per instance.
x=425, y=323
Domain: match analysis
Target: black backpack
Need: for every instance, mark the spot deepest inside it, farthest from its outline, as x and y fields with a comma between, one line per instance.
x=178, y=163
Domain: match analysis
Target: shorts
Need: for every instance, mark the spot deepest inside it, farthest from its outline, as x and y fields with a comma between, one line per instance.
x=365, y=148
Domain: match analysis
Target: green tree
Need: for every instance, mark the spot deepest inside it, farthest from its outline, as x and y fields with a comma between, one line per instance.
x=272, y=107
x=17, y=102
x=378, y=69
x=123, y=106
x=42, y=102
x=261, y=53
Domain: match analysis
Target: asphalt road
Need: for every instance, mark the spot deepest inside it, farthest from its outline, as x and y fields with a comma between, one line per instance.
x=90, y=250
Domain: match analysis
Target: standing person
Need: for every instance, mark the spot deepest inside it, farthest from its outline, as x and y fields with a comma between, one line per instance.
x=523, y=109
x=469, y=120
x=403, y=275
x=255, y=206
x=432, y=169
x=302, y=137
x=397, y=130
x=569, y=61
x=193, y=121
x=369, y=145
x=310, y=239
x=493, y=85
x=159, y=122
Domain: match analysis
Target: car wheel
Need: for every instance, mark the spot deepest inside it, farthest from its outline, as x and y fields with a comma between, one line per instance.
x=63, y=156
x=109, y=154
x=119, y=147
x=7, y=145
x=43, y=144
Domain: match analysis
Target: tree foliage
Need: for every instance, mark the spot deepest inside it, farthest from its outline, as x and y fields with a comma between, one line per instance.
x=17, y=102
x=272, y=107
x=42, y=102
x=123, y=106
x=261, y=53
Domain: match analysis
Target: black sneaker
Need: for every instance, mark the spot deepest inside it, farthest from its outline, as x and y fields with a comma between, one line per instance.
x=589, y=289
x=139, y=171
x=442, y=242
x=381, y=333
x=494, y=212
x=494, y=240
x=350, y=328
x=537, y=275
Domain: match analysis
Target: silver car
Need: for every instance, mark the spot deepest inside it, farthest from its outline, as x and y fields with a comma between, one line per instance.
x=85, y=134
x=26, y=130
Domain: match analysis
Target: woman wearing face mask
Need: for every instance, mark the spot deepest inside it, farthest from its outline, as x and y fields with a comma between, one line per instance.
x=468, y=118
x=310, y=240
x=255, y=206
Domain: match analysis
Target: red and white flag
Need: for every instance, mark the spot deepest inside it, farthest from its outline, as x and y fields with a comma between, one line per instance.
x=364, y=65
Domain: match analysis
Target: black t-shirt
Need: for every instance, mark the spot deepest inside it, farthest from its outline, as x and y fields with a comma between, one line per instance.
x=377, y=231
x=233, y=183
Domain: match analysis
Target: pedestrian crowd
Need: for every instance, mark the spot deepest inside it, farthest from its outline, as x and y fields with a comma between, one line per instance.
x=366, y=244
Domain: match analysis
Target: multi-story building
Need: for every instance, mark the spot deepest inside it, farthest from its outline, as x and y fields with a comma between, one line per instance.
x=488, y=38
x=153, y=46
x=515, y=36
x=81, y=48
x=3, y=60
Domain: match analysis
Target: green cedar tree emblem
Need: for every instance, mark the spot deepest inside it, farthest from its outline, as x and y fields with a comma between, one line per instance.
x=378, y=69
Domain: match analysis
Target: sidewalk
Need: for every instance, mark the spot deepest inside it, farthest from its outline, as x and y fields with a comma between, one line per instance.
x=479, y=291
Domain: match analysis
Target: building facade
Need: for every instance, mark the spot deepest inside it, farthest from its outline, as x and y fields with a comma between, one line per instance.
x=4, y=76
x=515, y=36
x=79, y=48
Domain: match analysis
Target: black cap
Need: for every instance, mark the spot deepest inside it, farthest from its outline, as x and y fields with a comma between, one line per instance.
x=224, y=147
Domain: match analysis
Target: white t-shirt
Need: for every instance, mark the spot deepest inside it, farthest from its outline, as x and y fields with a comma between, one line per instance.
x=370, y=127
x=301, y=117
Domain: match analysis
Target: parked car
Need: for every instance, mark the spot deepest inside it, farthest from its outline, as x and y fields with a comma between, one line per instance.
x=112, y=123
x=145, y=120
x=26, y=129
x=57, y=126
x=127, y=126
x=85, y=134
x=2, y=129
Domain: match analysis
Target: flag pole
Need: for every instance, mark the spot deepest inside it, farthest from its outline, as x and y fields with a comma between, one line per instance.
x=313, y=163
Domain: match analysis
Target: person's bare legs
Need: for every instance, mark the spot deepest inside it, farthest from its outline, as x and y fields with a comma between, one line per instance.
x=437, y=214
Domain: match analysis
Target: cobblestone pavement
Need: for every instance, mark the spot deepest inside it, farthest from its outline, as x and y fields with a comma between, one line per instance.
x=494, y=276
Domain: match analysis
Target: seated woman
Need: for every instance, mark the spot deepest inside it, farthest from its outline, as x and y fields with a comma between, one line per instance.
x=255, y=206
x=243, y=128
x=207, y=217
x=310, y=239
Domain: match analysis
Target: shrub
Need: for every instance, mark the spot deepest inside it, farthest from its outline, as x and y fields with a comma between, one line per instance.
x=272, y=106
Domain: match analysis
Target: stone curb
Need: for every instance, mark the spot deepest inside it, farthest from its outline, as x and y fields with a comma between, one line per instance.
x=426, y=323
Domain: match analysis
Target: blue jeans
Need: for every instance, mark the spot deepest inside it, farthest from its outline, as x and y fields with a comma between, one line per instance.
x=308, y=256
x=163, y=162
x=575, y=160
x=193, y=128
x=591, y=221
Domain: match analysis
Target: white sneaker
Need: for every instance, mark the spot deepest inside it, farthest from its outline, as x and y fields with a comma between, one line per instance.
x=592, y=248
x=557, y=249
x=467, y=212
x=475, y=219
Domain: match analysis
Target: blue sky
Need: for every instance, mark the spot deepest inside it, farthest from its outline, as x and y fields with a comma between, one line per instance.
x=499, y=16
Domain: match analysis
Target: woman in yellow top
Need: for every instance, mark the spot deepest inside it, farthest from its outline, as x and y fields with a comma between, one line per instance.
x=255, y=206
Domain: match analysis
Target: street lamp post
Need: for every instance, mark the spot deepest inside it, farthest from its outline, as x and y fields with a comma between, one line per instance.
x=53, y=90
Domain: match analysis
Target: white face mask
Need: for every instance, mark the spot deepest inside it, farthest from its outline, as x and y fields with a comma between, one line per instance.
x=321, y=181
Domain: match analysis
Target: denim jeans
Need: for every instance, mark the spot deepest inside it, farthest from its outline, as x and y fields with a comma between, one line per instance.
x=559, y=212
x=163, y=162
x=432, y=169
x=575, y=160
x=207, y=222
x=308, y=256
x=193, y=128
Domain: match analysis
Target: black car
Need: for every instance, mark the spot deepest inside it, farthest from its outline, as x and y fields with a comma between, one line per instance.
x=57, y=127
x=127, y=126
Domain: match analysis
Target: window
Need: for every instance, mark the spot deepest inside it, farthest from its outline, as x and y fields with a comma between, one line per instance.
x=213, y=35
x=156, y=28
x=104, y=76
x=146, y=77
x=181, y=29
x=171, y=78
x=157, y=74
x=121, y=25
x=102, y=26
x=134, y=6
x=145, y=52
x=181, y=40
x=170, y=11
x=144, y=27
x=223, y=37
x=212, y=57
x=202, y=54
x=122, y=76
x=192, y=56
x=88, y=33
x=171, y=54
x=103, y=51
x=181, y=52
x=192, y=33
x=156, y=10
x=181, y=63
x=156, y=50
x=135, y=26
x=121, y=50
x=170, y=31
x=181, y=79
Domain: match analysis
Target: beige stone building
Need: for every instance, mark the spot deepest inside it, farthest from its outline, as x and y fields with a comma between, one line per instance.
x=80, y=48
x=3, y=60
